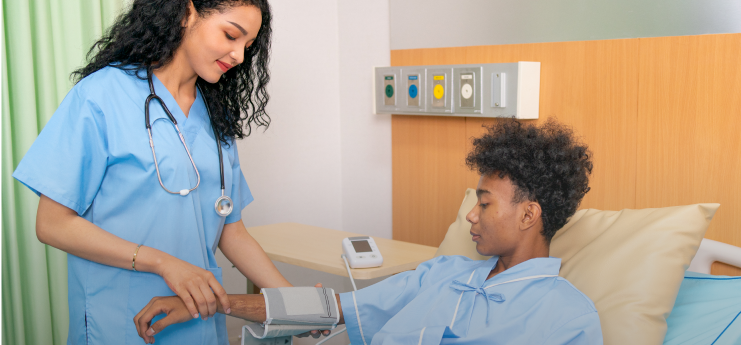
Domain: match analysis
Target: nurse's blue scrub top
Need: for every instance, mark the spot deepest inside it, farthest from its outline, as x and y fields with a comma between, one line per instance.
x=93, y=156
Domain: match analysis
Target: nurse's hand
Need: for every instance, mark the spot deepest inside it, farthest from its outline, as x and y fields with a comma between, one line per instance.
x=173, y=306
x=197, y=287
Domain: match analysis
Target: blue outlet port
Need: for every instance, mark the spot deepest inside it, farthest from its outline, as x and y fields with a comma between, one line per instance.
x=413, y=91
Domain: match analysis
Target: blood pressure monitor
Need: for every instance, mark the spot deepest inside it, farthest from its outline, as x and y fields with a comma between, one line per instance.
x=362, y=252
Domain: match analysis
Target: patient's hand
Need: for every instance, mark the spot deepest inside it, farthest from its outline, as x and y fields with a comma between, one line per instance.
x=173, y=306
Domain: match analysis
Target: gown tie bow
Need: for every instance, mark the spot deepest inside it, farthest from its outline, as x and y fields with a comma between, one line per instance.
x=463, y=287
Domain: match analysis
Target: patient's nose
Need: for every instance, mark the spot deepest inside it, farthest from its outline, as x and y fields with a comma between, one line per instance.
x=473, y=216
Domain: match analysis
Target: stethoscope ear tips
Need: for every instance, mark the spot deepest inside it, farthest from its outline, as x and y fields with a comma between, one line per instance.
x=184, y=192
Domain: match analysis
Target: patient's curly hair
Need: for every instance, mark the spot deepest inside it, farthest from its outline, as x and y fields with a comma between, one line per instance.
x=546, y=164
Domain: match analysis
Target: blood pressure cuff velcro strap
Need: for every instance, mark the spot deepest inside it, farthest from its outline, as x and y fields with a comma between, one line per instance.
x=295, y=310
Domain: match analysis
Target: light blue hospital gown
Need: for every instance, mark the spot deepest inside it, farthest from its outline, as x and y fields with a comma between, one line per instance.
x=93, y=156
x=447, y=300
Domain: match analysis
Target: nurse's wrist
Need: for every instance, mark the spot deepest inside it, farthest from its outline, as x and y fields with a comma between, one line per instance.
x=150, y=260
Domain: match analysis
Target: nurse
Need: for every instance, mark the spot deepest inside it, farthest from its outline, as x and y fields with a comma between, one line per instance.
x=132, y=200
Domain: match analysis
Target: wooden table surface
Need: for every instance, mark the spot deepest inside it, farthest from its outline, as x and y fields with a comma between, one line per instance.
x=320, y=249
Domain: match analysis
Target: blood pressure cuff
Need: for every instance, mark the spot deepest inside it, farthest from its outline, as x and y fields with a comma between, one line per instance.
x=296, y=310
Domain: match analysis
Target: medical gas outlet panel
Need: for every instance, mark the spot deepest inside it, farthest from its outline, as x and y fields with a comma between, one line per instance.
x=485, y=90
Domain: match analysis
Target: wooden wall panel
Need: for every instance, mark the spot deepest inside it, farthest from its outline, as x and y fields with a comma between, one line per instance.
x=720, y=268
x=689, y=127
x=591, y=86
x=661, y=115
x=427, y=152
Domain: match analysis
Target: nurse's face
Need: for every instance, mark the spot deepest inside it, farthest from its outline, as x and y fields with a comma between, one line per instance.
x=217, y=42
x=495, y=221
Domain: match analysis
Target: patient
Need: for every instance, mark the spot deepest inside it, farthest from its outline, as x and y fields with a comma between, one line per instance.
x=532, y=180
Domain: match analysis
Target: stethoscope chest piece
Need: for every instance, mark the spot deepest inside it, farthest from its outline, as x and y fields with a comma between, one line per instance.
x=224, y=205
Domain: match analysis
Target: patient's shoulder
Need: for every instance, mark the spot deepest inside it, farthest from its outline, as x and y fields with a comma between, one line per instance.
x=565, y=291
x=573, y=316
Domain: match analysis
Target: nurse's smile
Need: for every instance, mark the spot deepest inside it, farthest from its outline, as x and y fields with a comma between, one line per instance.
x=224, y=66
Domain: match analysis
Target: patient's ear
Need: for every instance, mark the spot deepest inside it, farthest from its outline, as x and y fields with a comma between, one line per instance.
x=530, y=215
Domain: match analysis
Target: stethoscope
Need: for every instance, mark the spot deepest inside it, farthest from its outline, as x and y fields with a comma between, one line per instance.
x=223, y=204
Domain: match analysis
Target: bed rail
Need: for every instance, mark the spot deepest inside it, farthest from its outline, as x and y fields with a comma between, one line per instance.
x=711, y=251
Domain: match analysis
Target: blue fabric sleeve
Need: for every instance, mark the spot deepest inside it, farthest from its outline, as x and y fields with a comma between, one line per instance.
x=584, y=330
x=378, y=303
x=240, y=193
x=69, y=158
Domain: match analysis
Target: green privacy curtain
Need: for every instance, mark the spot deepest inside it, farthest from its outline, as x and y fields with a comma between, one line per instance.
x=42, y=42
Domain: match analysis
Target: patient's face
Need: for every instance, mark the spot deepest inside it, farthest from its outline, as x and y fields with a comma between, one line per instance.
x=494, y=220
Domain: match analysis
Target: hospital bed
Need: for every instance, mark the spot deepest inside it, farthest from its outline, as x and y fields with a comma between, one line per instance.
x=708, y=308
x=664, y=291
x=632, y=264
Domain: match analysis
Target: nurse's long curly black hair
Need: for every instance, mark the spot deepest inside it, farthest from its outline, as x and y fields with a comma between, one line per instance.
x=546, y=163
x=148, y=35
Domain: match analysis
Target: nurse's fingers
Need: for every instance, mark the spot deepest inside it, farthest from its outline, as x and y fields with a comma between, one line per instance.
x=197, y=294
x=185, y=296
x=210, y=301
x=220, y=294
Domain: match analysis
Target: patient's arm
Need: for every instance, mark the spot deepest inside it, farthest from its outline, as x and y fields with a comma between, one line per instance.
x=249, y=307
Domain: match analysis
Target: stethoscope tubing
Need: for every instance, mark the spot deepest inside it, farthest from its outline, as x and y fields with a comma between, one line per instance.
x=153, y=96
x=221, y=161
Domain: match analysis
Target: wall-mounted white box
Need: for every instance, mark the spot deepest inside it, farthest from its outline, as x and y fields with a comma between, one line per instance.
x=473, y=90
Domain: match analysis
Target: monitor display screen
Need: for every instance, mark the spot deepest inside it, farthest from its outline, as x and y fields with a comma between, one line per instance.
x=361, y=246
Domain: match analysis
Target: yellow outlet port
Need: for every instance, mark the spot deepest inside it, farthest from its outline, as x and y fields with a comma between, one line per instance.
x=438, y=91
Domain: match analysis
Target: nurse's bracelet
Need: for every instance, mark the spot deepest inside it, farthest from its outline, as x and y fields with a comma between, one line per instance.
x=133, y=261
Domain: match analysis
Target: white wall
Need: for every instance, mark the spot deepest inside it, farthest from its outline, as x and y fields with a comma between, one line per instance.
x=444, y=23
x=365, y=137
x=326, y=158
x=294, y=168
